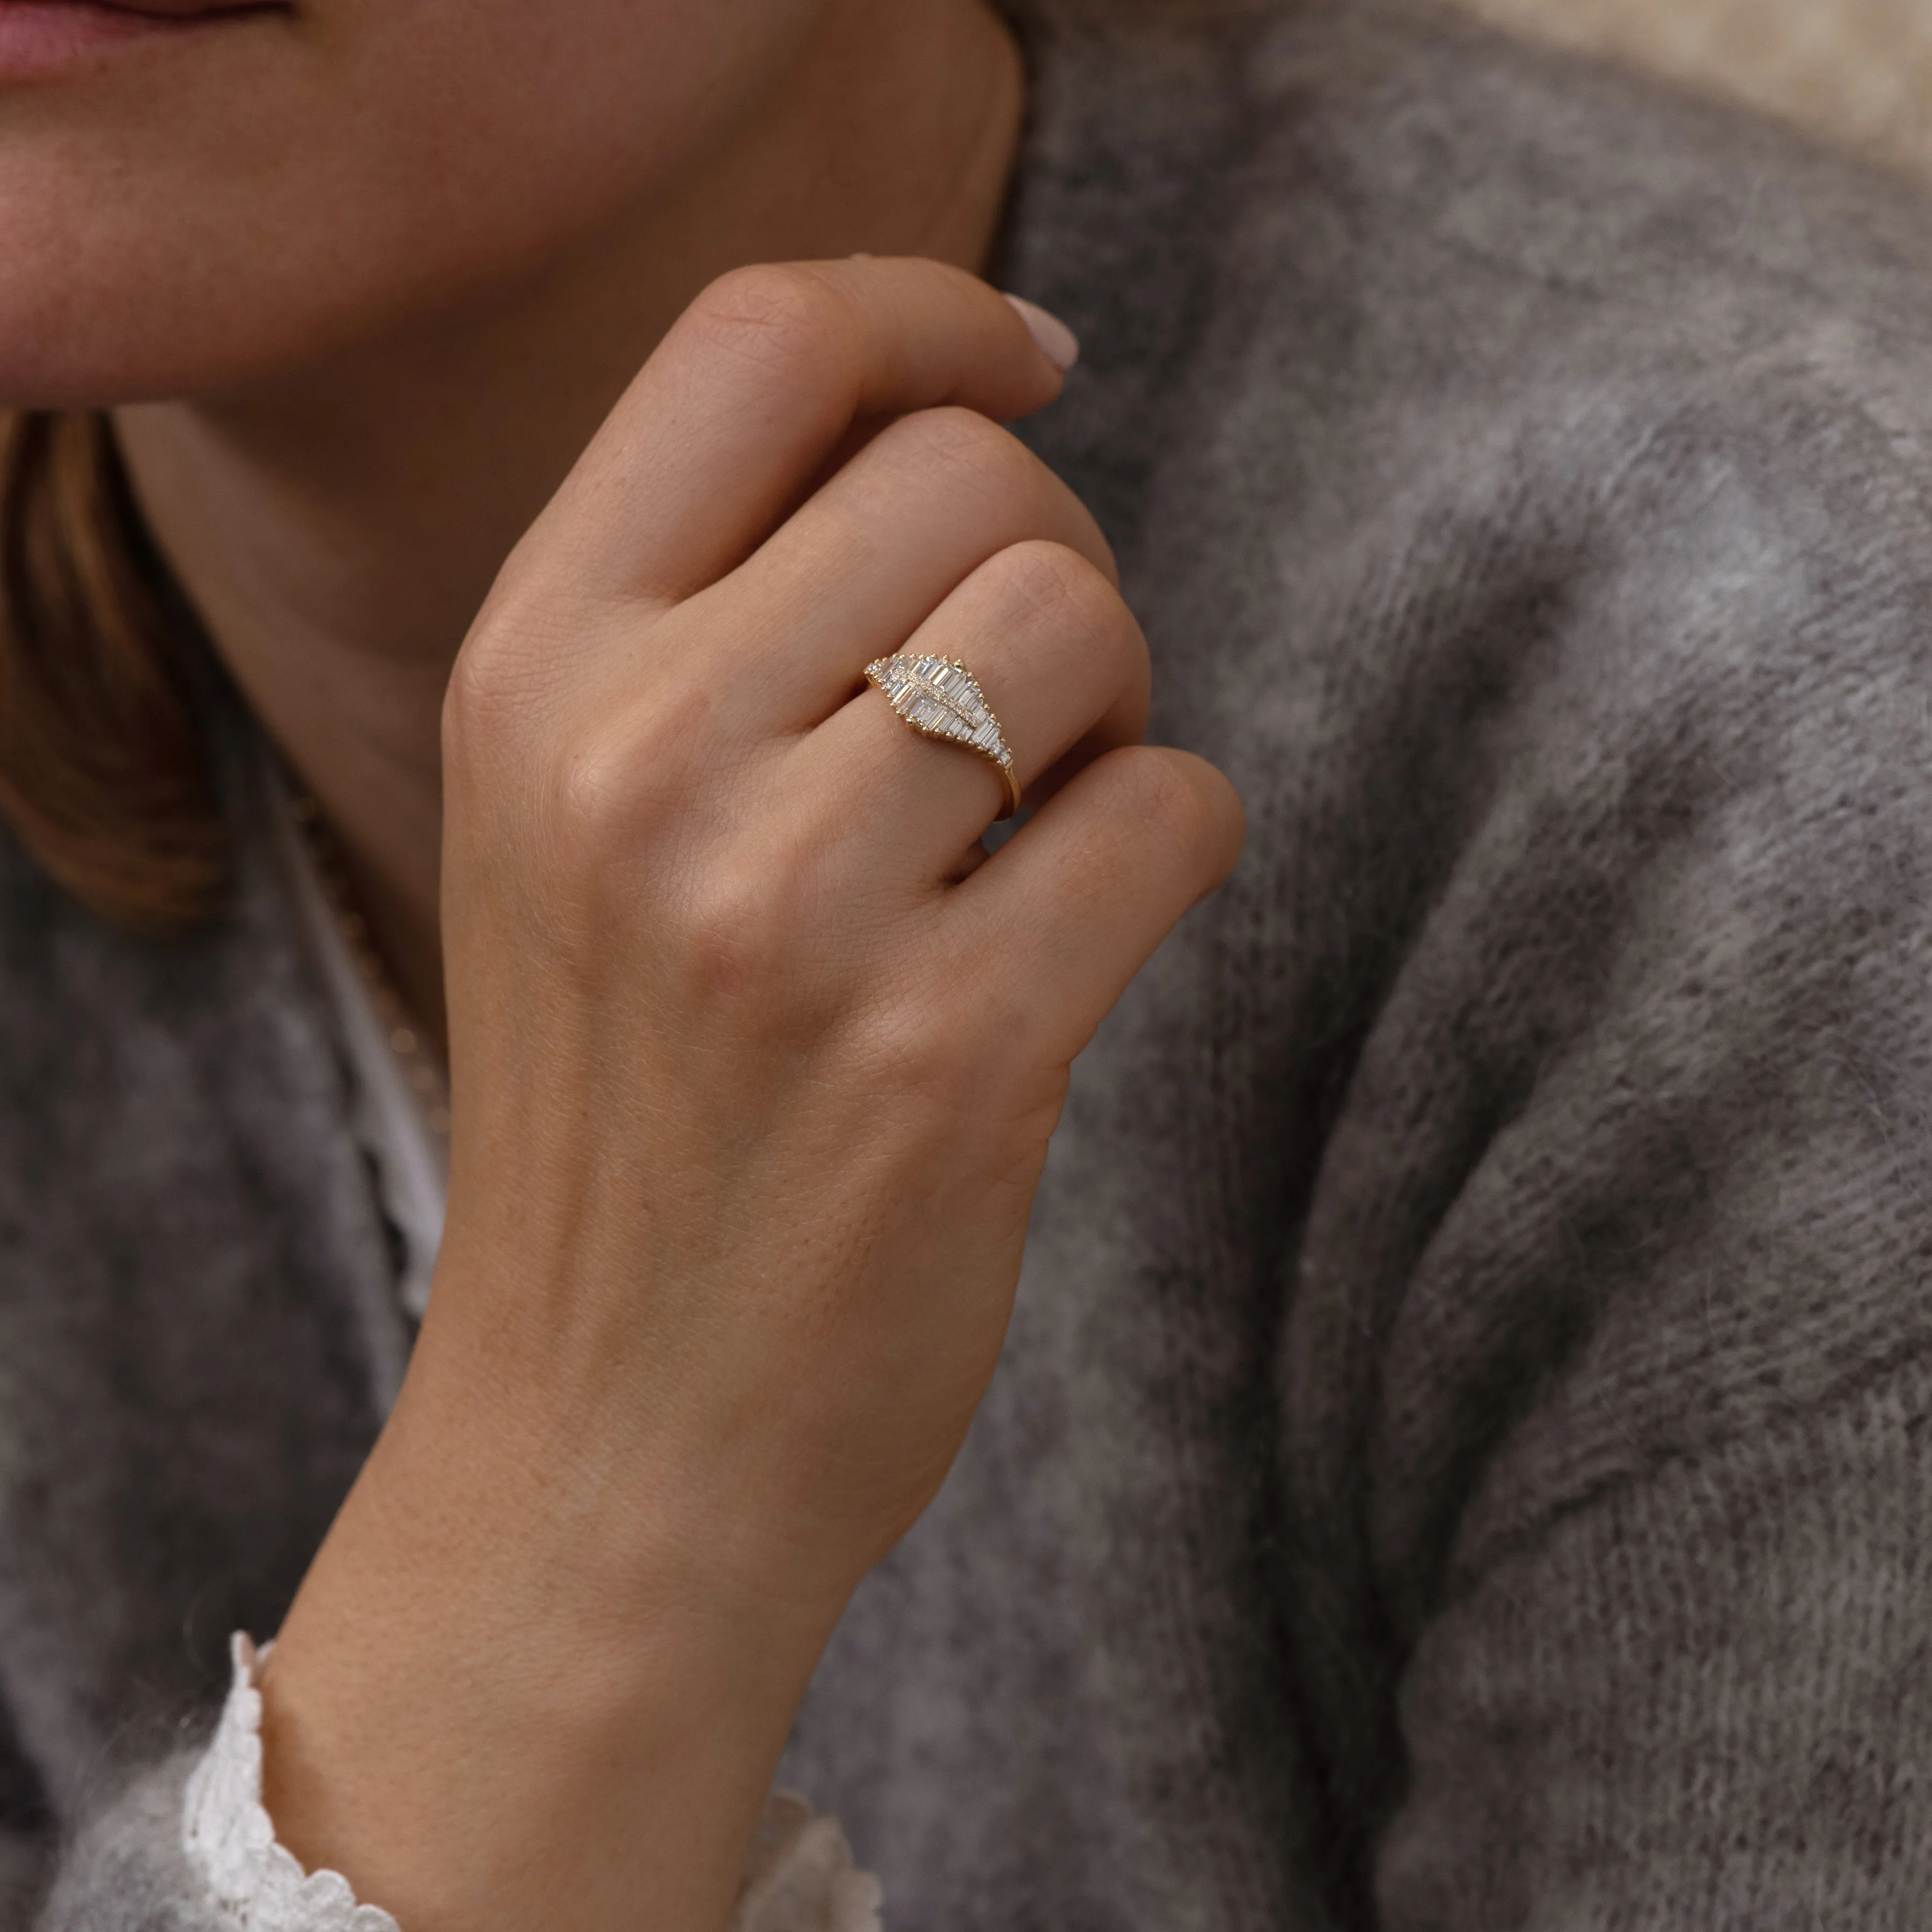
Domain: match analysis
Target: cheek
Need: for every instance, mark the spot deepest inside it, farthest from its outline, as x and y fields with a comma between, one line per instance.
x=222, y=206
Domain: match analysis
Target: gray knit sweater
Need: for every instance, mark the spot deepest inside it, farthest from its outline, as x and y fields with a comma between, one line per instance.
x=1464, y=1455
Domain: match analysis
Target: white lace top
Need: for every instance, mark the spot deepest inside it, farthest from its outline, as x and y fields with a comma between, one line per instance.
x=800, y=1877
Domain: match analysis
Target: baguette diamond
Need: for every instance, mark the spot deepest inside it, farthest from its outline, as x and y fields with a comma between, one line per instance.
x=940, y=698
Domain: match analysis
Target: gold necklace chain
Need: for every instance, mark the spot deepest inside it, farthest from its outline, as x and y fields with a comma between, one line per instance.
x=421, y=1070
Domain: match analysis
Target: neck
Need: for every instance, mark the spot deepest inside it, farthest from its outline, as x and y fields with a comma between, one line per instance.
x=338, y=529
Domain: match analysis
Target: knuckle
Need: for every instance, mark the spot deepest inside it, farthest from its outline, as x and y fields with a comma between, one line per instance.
x=604, y=793
x=474, y=701
x=1159, y=791
x=1038, y=576
x=957, y=445
x=498, y=686
x=927, y=1062
x=632, y=766
x=584, y=798
x=773, y=315
x=1043, y=581
x=736, y=931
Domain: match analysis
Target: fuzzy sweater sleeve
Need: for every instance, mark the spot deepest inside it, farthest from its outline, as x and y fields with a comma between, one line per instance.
x=1609, y=1375
x=1648, y=1463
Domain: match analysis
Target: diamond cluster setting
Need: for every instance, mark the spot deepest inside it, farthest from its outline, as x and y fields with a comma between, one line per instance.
x=940, y=698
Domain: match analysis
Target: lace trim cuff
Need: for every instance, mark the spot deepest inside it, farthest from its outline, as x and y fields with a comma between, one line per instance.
x=230, y=1840
x=800, y=1877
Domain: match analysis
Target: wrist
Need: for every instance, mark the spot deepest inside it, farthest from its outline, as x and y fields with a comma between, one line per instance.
x=498, y=1670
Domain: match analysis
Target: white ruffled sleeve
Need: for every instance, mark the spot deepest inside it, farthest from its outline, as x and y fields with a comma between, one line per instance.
x=801, y=1877
x=230, y=1840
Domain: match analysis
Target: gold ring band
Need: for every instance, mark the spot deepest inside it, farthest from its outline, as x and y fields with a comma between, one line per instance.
x=939, y=697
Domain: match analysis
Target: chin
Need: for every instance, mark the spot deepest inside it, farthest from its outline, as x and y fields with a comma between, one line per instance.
x=205, y=208
x=182, y=298
x=108, y=295
x=198, y=284
x=72, y=342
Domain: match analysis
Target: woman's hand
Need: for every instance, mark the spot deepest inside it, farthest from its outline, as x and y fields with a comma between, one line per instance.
x=754, y=1058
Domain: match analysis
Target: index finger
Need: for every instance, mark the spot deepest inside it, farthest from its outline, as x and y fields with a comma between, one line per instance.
x=751, y=393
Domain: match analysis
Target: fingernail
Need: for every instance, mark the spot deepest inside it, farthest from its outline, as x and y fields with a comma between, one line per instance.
x=1057, y=342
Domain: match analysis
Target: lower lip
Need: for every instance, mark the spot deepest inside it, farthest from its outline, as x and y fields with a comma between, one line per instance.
x=40, y=38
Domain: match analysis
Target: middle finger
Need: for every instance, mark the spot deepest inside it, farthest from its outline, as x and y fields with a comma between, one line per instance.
x=872, y=555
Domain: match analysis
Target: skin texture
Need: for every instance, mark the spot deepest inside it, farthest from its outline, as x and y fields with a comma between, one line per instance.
x=730, y=983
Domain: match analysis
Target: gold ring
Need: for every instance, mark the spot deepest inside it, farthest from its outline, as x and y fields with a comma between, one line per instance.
x=939, y=697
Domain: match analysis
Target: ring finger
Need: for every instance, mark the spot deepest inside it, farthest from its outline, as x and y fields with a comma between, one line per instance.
x=1060, y=663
